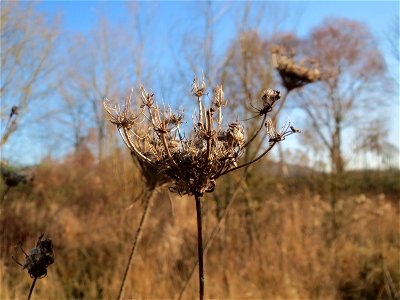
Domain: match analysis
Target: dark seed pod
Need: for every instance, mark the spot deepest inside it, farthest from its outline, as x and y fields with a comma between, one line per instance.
x=39, y=258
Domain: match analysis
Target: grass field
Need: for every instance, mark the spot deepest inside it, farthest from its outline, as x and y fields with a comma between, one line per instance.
x=276, y=243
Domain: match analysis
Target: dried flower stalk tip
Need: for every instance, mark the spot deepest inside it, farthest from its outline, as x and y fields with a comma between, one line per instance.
x=121, y=117
x=275, y=136
x=219, y=99
x=147, y=99
x=14, y=111
x=198, y=88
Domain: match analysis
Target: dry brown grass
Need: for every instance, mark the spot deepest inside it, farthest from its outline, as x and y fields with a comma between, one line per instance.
x=283, y=251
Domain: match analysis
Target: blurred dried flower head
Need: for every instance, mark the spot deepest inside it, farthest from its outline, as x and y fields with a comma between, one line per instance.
x=39, y=258
x=191, y=161
x=219, y=100
x=294, y=75
x=198, y=88
x=269, y=97
x=122, y=117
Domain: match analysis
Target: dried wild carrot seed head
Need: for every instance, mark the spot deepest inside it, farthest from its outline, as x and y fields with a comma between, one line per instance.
x=294, y=75
x=191, y=161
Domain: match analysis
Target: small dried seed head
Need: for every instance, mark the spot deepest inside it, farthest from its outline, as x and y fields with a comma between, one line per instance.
x=120, y=117
x=40, y=258
x=147, y=99
x=295, y=75
x=219, y=100
x=175, y=119
x=269, y=97
x=235, y=135
x=198, y=89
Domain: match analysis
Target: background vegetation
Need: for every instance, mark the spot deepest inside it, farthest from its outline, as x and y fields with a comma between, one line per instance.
x=306, y=224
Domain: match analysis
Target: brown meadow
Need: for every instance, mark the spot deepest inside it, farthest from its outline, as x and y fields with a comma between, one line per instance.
x=275, y=243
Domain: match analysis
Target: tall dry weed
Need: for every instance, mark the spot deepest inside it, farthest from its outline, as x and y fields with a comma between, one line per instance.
x=192, y=161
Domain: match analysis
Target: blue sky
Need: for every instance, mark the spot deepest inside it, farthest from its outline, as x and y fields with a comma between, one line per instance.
x=80, y=16
x=169, y=18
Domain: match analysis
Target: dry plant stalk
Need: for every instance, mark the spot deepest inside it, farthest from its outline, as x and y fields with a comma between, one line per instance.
x=38, y=259
x=195, y=161
x=152, y=181
x=148, y=199
x=11, y=125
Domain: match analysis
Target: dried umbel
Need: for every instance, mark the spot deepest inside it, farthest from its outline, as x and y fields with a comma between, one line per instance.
x=193, y=162
x=39, y=258
x=294, y=75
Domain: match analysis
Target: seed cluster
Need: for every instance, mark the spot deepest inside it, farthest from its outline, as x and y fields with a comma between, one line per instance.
x=294, y=75
x=39, y=258
x=192, y=162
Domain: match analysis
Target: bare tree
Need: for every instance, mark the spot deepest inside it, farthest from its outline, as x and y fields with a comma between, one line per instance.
x=373, y=140
x=351, y=90
x=27, y=62
x=74, y=108
x=196, y=53
x=246, y=64
x=105, y=62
